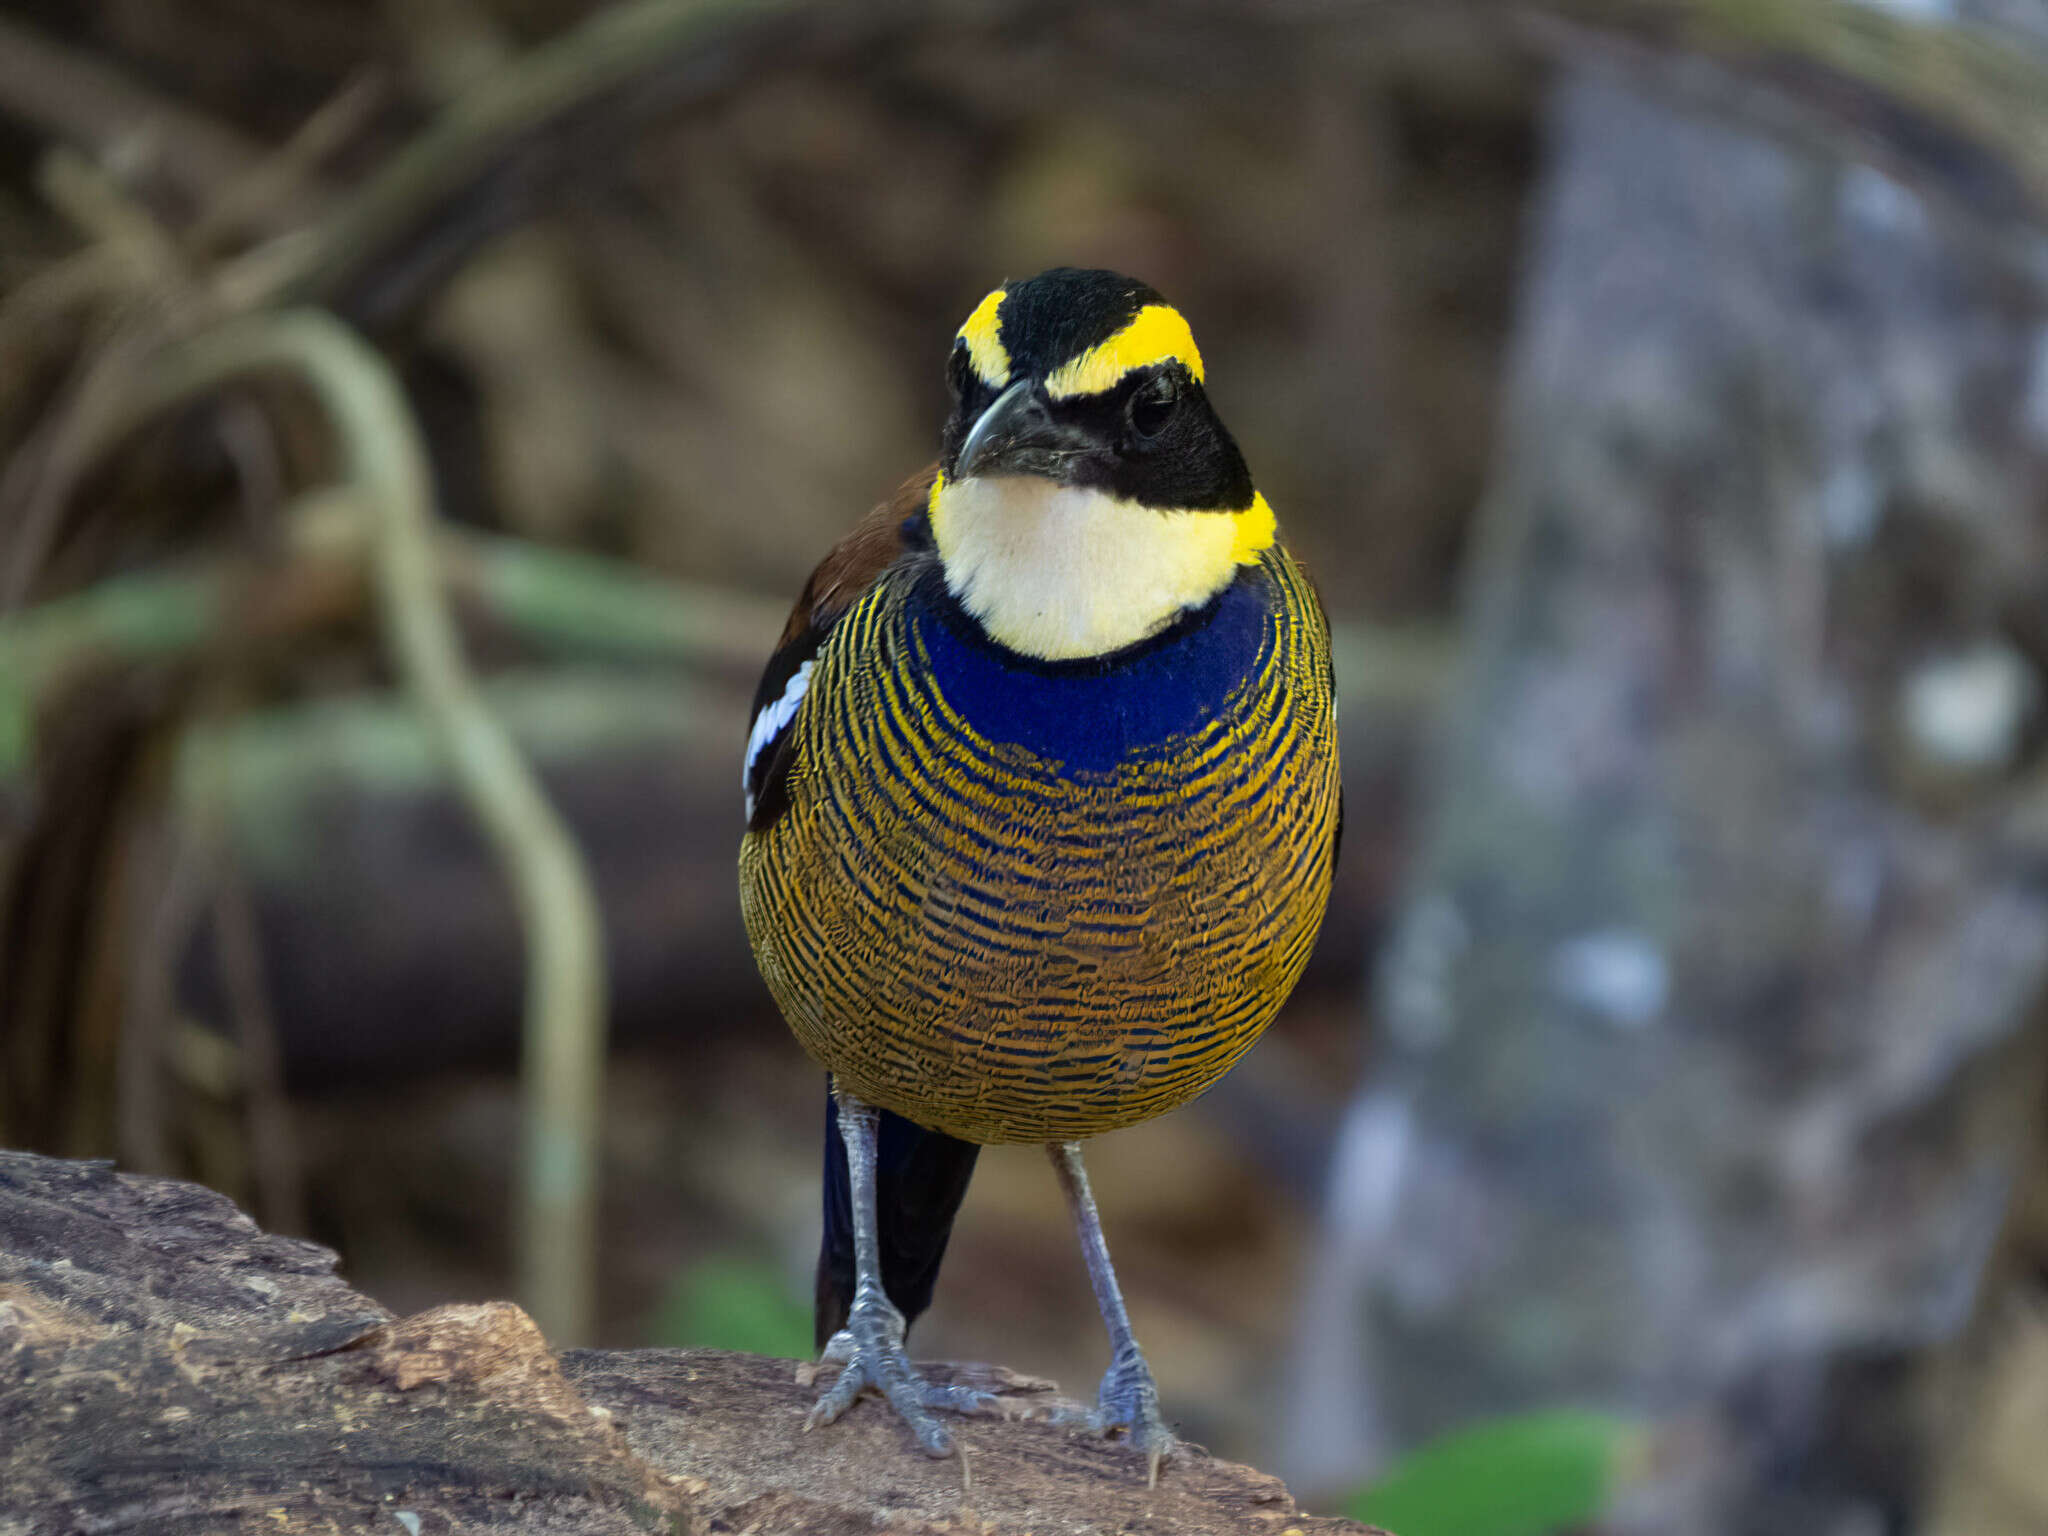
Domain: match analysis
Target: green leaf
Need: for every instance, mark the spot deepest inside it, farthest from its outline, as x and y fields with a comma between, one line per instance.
x=728, y=1302
x=1528, y=1475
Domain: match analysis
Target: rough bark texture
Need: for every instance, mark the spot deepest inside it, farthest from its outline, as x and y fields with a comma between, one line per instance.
x=166, y=1367
x=1712, y=1022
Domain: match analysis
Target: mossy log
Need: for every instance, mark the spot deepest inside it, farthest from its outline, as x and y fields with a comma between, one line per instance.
x=167, y=1367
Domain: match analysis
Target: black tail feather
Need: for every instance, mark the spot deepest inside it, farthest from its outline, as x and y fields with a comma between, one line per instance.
x=920, y=1179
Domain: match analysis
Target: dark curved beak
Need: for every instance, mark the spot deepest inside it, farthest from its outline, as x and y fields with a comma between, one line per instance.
x=1018, y=435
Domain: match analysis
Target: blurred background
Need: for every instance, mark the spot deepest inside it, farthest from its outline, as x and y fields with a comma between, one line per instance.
x=402, y=399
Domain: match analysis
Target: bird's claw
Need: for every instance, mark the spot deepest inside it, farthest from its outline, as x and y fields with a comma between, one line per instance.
x=869, y=1352
x=1128, y=1401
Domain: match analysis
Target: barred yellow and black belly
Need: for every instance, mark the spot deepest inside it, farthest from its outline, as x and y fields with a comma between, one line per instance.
x=1015, y=900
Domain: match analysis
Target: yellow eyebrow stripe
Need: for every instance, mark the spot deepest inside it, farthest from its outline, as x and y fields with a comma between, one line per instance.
x=983, y=334
x=1157, y=335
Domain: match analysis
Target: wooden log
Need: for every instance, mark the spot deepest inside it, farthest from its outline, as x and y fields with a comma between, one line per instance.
x=167, y=1367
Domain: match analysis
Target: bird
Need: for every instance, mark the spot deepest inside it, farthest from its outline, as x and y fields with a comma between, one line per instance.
x=1043, y=803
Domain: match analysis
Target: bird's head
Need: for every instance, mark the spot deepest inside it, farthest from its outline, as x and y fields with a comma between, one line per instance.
x=1087, y=495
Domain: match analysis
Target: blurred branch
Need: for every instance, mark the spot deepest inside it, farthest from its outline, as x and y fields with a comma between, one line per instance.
x=169, y=903
x=1951, y=111
x=288, y=180
x=274, y=1165
x=431, y=181
x=580, y=605
x=152, y=286
x=37, y=483
x=384, y=462
x=590, y=606
x=1948, y=110
x=206, y=867
x=84, y=101
x=102, y=209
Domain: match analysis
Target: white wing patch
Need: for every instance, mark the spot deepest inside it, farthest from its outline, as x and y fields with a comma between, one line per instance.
x=769, y=724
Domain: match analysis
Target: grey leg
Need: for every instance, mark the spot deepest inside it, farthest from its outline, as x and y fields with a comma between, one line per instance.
x=1129, y=1399
x=870, y=1346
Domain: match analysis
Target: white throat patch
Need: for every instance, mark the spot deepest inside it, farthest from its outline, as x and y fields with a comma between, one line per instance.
x=1060, y=573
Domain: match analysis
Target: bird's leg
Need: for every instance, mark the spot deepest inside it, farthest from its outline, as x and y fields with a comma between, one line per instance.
x=1129, y=1399
x=870, y=1347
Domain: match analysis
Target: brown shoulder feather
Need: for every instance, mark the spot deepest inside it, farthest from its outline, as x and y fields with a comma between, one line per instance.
x=855, y=564
x=858, y=560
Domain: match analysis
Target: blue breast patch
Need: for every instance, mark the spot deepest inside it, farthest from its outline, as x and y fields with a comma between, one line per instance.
x=1094, y=713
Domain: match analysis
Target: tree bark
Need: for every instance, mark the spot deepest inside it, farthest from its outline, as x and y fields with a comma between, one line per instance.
x=1709, y=1033
x=166, y=1367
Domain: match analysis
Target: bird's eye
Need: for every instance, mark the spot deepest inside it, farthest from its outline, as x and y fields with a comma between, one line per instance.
x=958, y=376
x=1153, y=404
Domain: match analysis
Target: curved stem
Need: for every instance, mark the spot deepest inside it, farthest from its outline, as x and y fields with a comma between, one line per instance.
x=385, y=464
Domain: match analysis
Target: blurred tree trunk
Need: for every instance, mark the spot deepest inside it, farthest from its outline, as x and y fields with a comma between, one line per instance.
x=1709, y=1033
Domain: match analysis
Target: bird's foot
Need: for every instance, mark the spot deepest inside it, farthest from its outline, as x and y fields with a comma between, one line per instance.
x=869, y=1352
x=1129, y=1401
